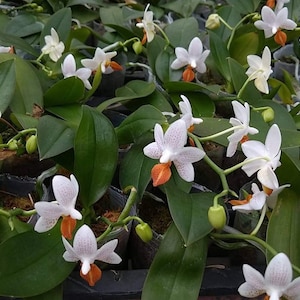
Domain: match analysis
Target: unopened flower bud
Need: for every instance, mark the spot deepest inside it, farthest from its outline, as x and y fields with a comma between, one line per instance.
x=137, y=47
x=13, y=145
x=268, y=115
x=213, y=22
x=144, y=231
x=31, y=144
x=256, y=17
x=217, y=216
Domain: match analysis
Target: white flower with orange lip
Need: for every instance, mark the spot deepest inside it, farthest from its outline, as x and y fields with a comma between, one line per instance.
x=276, y=283
x=68, y=68
x=53, y=46
x=273, y=22
x=65, y=191
x=102, y=60
x=169, y=147
x=241, y=124
x=260, y=70
x=194, y=58
x=148, y=25
x=85, y=250
x=262, y=156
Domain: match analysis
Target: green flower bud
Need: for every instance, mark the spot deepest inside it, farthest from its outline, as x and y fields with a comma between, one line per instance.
x=144, y=231
x=256, y=17
x=268, y=115
x=13, y=145
x=217, y=216
x=213, y=22
x=137, y=47
x=31, y=144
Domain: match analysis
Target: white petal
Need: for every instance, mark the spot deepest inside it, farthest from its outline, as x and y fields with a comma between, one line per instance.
x=195, y=49
x=267, y=177
x=231, y=149
x=273, y=140
x=85, y=244
x=254, y=149
x=178, y=64
x=106, y=253
x=176, y=135
x=293, y=289
x=185, y=171
x=69, y=254
x=189, y=155
x=159, y=136
x=261, y=84
x=69, y=66
x=279, y=272
x=253, y=277
x=247, y=290
x=49, y=210
x=43, y=224
x=86, y=266
x=152, y=151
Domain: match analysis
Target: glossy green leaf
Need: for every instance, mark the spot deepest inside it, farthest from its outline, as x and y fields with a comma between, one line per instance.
x=134, y=89
x=285, y=220
x=24, y=121
x=112, y=15
x=67, y=91
x=34, y=269
x=54, y=137
x=177, y=270
x=7, y=83
x=182, y=31
x=220, y=55
x=24, y=25
x=163, y=69
x=56, y=293
x=96, y=155
x=189, y=212
x=61, y=22
x=139, y=122
x=184, y=8
x=245, y=7
x=153, y=49
x=283, y=91
x=135, y=167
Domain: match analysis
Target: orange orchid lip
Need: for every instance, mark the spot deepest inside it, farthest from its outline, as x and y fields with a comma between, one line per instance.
x=161, y=173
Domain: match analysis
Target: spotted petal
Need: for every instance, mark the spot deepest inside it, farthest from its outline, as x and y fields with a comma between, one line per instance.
x=106, y=253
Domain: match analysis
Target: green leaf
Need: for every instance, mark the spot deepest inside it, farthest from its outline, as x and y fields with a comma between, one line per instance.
x=134, y=89
x=67, y=91
x=7, y=83
x=177, y=270
x=112, y=15
x=184, y=8
x=220, y=54
x=283, y=91
x=182, y=31
x=285, y=220
x=135, y=167
x=61, y=21
x=96, y=155
x=36, y=269
x=54, y=137
x=189, y=212
x=244, y=7
x=139, y=122
x=56, y=293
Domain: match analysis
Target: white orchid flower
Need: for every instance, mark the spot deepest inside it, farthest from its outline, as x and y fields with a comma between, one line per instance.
x=68, y=68
x=65, y=191
x=270, y=184
x=260, y=70
x=276, y=283
x=148, y=25
x=169, y=147
x=85, y=250
x=262, y=156
x=254, y=201
x=273, y=21
x=6, y=49
x=194, y=58
x=53, y=46
x=241, y=124
x=103, y=60
x=187, y=114
x=280, y=4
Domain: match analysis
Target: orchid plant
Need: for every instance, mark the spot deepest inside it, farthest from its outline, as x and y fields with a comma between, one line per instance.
x=204, y=80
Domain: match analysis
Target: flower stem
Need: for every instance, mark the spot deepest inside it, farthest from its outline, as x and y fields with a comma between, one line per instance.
x=215, y=135
x=129, y=203
x=260, y=221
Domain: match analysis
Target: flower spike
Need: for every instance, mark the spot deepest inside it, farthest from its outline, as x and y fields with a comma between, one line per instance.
x=53, y=46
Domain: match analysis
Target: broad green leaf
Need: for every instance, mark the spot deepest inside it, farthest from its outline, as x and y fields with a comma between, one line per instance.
x=112, y=15
x=177, y=269
x=184, y=8
x=19, y=43
x=61, y=22
x=134, y=89
x=56, y=293
x=135, y=167
x=182, y=31
x=283, y=91
x=35, y=268
x=64, y=92
x=189, y=212
x=83, y=2
x=54, y=137
x=96, y=155
x=23, y=25
x=153, y=49
x=24, y=121
x=163, y=69
x=284, y=226
x=245, y=7
x=139, y=122
x=7, y=83
x=220, y=55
